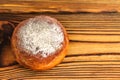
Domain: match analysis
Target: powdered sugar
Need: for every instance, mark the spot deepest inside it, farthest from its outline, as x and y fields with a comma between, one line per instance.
x=40, y=36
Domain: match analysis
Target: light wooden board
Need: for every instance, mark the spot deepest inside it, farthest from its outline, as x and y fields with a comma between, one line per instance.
x=94, y=49
x=55, y=6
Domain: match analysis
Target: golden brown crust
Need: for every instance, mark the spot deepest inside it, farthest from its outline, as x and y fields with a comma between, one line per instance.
x=37, y=62
x=7, y=57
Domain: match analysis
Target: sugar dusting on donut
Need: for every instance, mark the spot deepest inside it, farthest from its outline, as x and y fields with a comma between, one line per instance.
x=41, y=35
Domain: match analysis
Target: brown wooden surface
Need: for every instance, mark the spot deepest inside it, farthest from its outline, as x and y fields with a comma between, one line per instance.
x=25, y=6
x=94, y=49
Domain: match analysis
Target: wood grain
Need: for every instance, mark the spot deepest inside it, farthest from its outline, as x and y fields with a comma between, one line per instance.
x=55, y=6
x=94, y=49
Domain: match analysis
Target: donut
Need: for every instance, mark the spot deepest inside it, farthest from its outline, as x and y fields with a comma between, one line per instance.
x=40, y=43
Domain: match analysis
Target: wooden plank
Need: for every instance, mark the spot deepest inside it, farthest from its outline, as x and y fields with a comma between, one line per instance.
x=82, y=48
x=93, y=52
x=55, y=6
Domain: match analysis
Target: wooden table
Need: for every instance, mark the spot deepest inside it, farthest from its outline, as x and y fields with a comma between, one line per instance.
x=94, y=32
